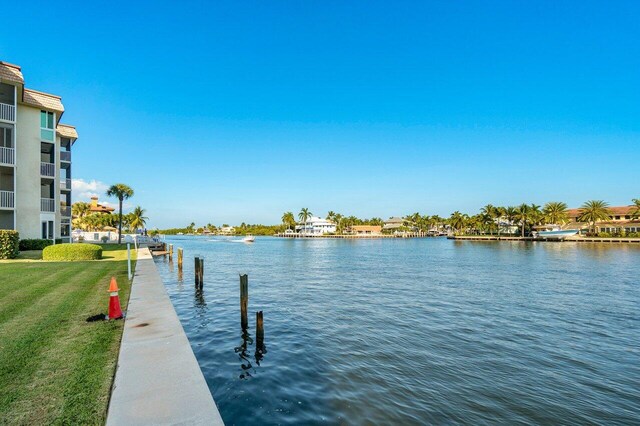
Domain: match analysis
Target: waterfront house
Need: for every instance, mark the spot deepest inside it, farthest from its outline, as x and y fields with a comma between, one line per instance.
x=227, y=230
x=94, y=207
x=316, y=226
x=366, y=229
x=394, y=223
x=620, y=220
x=35, y=160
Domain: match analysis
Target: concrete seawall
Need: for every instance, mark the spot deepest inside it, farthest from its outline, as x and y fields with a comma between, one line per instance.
x=158, y=380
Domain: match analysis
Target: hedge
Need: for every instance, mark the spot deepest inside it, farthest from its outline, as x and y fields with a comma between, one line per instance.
x=9, y=244
x=72, y=252
x=36, y=244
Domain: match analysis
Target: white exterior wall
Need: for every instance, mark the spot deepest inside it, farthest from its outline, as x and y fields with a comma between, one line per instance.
x=27, y=191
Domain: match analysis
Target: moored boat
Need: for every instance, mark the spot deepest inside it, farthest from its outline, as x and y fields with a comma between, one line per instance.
x=554, y=232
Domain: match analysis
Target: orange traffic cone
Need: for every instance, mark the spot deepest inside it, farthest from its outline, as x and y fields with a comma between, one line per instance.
x=115, y=311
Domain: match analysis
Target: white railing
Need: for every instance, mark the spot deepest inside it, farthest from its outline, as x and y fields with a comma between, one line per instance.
x=47, y=205
x=7, y=112
x=65, y=184
x=65, y=155
x=7, y=155
x=47, y=169
x=65, y=210
x=6, y=199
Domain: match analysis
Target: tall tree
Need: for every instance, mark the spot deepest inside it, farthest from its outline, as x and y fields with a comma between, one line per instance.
x=594, y=211
x=137, y=219
x=288, y=219
x=555, y=212
x=523, y=215
x=80, y=209
x=121, y=192
x=636, y=207
x=304, y=215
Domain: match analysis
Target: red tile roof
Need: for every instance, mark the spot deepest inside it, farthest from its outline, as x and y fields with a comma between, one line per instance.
x=615, y=211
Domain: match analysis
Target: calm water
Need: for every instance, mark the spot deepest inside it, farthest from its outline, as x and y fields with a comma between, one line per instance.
x=417, y=331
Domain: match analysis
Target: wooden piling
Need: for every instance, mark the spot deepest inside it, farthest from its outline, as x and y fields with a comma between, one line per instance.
x=170, y=252
x=196, y=267
x=244, y=301
x=259, y=331
x=201, y=273
x=180, y=259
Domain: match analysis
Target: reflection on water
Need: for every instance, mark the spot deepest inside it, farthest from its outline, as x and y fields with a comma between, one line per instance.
x=417, y=331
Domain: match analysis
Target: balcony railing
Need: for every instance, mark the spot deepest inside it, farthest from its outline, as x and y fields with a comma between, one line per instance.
x=7, y=199
x=65, y=210
x=65, y=184
x=65, y=156
x=7, y=155
x=47, y=205
x=47, y=169
x=7, y=112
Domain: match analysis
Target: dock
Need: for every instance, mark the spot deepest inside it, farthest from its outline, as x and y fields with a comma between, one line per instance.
x=356, y=236
x=576, y=239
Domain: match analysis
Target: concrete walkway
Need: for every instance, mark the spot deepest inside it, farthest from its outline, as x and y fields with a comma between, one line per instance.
x=158, y=380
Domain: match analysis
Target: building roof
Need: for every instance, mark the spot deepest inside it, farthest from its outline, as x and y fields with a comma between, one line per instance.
x=99, y=208
x=42, y=100
x=67, y=131
x=614, y=211
x=370, y=228
x=395, y=219
x=11, y=73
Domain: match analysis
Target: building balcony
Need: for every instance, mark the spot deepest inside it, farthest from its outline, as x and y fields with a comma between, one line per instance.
x=65, y=184
x=7, y=155
x=47, y=169
x=47, y=205
x=7, y=200
x=7, y=112
x=65, y=156
x=65, y=211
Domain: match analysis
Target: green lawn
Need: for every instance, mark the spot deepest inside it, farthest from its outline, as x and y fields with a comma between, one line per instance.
x=56, y=368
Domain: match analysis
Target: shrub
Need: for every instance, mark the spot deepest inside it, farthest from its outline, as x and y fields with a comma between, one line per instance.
x=9, y=243
x=104, y=239
x=72, y=252
x=604, y=235
x=34, y=244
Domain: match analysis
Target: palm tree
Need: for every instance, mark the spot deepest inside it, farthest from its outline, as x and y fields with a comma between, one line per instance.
x=121, y=192
x=594, y=211
x=555, y=212
x=490, y=214
x=304, y=215
x=288, y=219
x=137, y=218
x=636, y=207
x=523, y=215
x=457, y=221
x=80, y=209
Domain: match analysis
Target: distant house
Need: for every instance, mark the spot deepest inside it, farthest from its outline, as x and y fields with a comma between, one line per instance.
x=393, y=223
x=227, y=230
x=316, y=226
x=621, y=218
x=94, y=207
x=366, y=229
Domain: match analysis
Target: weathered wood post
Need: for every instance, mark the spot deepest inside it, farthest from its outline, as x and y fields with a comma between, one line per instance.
x=259, y=331
x=196, y=267
x=201, y=272
x=180, y=260
x=244, y=300
x=170, y=252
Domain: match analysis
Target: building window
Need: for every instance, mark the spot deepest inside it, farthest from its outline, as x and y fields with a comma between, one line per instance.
x=6, y=136
x=46, y=126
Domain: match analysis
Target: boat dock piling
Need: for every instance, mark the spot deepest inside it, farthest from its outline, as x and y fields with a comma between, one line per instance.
x=180, y=256
x=244, y=301
x=199, y=272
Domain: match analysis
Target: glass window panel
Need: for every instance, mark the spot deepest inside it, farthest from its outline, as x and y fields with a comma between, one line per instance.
x=8, y=142
x=50, y=121
x=46, y=135
x=43, y=119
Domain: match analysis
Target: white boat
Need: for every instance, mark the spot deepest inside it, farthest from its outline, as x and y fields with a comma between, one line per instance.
x=555, y=232
x=249, y=239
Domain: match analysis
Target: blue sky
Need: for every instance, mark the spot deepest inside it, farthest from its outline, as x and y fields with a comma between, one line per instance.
x=226, y=112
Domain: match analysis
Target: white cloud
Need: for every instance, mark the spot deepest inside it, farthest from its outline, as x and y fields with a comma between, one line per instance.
x=83, y=190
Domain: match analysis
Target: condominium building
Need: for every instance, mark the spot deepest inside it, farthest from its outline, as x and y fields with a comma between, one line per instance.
x=35, y=160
